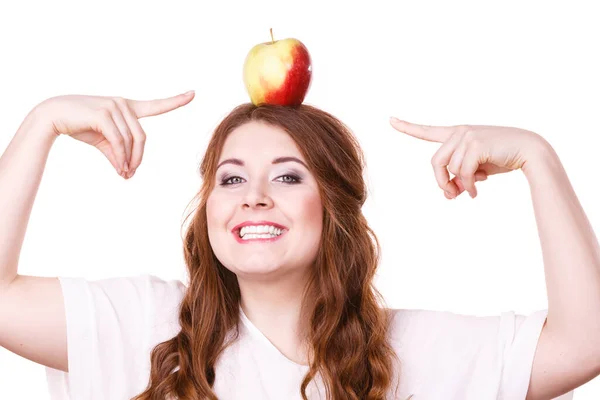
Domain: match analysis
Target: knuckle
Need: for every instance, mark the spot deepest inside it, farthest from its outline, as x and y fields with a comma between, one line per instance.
x=454, y=170
x=469, y=135
x=462, y=129
x=105, y=114
x=111, y=105
x=119, y=101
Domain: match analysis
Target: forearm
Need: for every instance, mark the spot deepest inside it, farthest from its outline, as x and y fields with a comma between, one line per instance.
x=21, y=169
x=569, y=247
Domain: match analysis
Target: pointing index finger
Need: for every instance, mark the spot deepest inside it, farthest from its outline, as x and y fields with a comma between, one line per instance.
x=147, y=108
x=430, y=133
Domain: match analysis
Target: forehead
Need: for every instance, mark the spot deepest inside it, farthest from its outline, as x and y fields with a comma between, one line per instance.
x=257, y=138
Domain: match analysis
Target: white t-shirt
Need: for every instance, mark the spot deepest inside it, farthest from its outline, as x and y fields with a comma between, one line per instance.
x=113, y=325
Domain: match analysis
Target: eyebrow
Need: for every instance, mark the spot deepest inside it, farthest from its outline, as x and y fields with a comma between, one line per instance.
x=278, y=160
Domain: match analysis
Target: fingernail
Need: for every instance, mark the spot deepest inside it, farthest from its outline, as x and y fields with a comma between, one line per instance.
x=189, y=93
x=126, y=167
x=394, y=120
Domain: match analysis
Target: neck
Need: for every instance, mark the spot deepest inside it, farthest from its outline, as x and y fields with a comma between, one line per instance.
x=276, y=309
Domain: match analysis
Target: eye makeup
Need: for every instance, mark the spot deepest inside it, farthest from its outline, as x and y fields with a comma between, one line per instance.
x=290, y=177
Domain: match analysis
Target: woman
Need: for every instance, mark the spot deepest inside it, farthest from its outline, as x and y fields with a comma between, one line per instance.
x=280, y=303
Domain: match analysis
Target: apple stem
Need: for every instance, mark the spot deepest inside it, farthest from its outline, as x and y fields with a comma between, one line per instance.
x=272, y=40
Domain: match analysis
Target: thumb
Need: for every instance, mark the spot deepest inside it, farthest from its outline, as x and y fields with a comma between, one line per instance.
x=480, y=176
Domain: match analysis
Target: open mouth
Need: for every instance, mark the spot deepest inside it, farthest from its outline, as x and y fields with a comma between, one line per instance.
x=259, y=232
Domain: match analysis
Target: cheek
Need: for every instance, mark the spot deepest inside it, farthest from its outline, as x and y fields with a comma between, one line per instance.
x=217, y=211
x=218, y=215
x=309, y=209
x=210, y=210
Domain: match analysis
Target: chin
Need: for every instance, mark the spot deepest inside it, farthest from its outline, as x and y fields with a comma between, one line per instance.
x=256, y=268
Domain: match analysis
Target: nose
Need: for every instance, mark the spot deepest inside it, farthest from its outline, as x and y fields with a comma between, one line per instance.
x=257, y=197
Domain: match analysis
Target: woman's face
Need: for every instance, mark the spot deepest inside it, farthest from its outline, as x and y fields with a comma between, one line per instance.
x=263, y=184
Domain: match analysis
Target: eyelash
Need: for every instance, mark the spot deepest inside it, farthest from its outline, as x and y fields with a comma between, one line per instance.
x=296, y=179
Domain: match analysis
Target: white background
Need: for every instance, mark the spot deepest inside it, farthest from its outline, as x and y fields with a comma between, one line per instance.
x=528, y=64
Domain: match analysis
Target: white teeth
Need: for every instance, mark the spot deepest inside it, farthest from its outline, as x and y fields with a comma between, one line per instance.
x=259, y=231
x=258, y=236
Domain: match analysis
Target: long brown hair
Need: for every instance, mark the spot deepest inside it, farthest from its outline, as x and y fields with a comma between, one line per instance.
x=348, y=324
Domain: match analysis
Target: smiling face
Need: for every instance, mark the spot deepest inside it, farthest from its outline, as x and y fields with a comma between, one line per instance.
x=263, y=180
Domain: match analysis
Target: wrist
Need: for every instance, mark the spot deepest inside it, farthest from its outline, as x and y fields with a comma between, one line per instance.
x=37, y=124
x=540, y=157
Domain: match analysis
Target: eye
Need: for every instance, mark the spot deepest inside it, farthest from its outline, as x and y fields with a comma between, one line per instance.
x=228, y=180
x=291, y=179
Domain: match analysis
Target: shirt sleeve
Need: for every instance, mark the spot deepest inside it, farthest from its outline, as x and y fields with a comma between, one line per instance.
x=468, y=357
x=519, y=335
x=112, y=325
x=518, y=338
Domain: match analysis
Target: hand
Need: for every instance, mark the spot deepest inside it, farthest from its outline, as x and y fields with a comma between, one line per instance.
x=473, y=152
x=108, y=123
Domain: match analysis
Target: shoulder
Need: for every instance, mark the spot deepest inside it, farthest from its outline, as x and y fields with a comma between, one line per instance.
x=111, y=322
x=430, y=328
x=406, y=320
x=454, y=350
x=129, y=299
x=141, y=288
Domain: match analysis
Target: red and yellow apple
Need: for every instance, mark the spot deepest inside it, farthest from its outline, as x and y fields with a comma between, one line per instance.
x=278, y=72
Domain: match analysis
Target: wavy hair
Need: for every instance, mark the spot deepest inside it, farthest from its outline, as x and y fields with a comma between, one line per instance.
x=347, y=331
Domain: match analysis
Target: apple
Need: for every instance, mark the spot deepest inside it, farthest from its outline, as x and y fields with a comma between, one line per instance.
x=278, y=72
